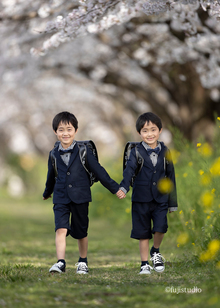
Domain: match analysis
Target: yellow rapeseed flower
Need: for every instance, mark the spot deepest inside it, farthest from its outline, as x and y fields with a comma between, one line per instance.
x=185, y=175
x=215, y=168
x=201, y=172
x=207, y=199
x=190, y=163
x=186, y=223
x=193, y=244
x=165, y=185
x=208, y=217
x=214, y=246
x=213, y=191
x=205, y=256
x=218, y=118
x=173, y=155
x=180, y=212
x=206, y=150
x=192, y=211
x=128, y=210
x=199, y=145
x=205, y=179
x=183, y=238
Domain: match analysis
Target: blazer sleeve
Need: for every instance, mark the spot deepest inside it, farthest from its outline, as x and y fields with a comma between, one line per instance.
x=129, y=171
x=170, y=173
x=101, y=173
x=50, y=179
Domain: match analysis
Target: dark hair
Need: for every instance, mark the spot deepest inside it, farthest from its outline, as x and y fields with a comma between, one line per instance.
x=148, y=117
x=66, y=118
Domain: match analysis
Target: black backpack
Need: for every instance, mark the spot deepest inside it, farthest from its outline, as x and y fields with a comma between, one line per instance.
x=129, y=146
x=83, y=157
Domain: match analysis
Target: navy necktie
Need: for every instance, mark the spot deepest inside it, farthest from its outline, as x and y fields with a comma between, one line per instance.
x=156, y=150
x=65, y=151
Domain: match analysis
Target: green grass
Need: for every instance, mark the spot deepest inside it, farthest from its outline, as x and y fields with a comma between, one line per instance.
x=27, y=251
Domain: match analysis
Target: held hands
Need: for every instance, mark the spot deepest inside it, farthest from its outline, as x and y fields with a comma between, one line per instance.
x=47, y=198
x=120, y=194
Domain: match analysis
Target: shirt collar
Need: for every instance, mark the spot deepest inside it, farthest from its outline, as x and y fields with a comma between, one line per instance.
x=60, y=148
x=146, y=146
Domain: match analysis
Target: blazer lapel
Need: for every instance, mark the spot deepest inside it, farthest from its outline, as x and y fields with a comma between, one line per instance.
x=73, y=155
x=146, y=157
x=57, y=154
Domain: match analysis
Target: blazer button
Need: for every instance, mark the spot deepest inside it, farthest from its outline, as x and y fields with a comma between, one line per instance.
x=70, y=185
x=154, y=183
x=155, y=171
x=68, y=173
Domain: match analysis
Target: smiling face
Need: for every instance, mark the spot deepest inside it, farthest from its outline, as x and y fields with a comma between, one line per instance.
x=65, y=134
x=150, y=133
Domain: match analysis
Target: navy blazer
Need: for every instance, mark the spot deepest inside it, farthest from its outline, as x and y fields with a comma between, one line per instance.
x=145, y=184
x=73, y=183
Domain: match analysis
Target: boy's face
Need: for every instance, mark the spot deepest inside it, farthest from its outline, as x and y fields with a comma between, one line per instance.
x=150, y=133
x=65, y=134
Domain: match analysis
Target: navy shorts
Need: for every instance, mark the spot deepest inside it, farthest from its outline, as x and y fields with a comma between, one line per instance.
x=78, y=227
x=143, y=213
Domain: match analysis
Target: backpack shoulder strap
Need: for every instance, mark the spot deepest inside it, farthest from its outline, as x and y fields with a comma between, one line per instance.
x=82, y=145
x=140, y=161
x=54, y=161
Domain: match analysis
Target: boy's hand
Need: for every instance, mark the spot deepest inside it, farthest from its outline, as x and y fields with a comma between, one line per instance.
x=120, y=194
x=46, y=198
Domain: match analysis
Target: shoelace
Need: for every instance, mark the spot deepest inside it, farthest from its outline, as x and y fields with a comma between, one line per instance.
x=59, y=264
x=147, y=266
x=157, y=258
x=81, y=265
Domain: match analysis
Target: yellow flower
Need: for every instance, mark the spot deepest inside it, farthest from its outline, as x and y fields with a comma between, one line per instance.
x=128, y=210
x=205, y=256
x=190, y=163
x=193, y=244
x=215, y=168
x=181, y=212
x=201, y=172
x=199, y=145
x=206, y=150
x=183, y=238
x=214, y=246
x=218, y=118
x=213, y=191
x=208, y=217
x=185, y=175
x=207, y=199
x=205, y=179
x=186, y=223
x=192, y=211
x=165, y=185
x=178, y=245
x=173, y=155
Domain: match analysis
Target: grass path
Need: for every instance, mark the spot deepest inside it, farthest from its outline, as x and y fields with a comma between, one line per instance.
x=27, y=251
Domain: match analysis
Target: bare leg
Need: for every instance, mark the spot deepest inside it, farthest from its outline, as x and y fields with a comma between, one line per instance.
x=144, y=249
x=61, y=243
x=83, y=247
x=158, y=237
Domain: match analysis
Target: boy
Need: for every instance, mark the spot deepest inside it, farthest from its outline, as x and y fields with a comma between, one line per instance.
x=71, y=190
x=148, y=203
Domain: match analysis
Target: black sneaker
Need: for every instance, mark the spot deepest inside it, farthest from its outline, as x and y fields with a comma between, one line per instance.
x=58, y=267
x=158, y=262
x=82, y=268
